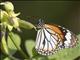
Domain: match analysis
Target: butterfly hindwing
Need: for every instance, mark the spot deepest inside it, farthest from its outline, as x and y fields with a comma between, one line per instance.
x=70, y=38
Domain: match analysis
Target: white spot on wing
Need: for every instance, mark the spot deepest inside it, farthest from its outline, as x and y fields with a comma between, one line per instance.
x=68, y=39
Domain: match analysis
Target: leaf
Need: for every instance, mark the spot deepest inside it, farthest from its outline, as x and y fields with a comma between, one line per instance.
x=67, y=54
x=7, y=58
x=26, y=24
x=29, y=44
x=4, y=46
x=42, y=58
x=78, y=37
x=11, y=44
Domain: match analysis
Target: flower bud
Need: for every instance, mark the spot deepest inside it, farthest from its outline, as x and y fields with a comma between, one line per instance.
x=14, y=22
x=8, y=6
x=3, y=16
x=13, y=14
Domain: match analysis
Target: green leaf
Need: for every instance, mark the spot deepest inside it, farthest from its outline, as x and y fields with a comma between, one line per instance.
x=11, y=45
x=29, y=44
x=4, y=46
x=67, y=54
x=16, y=44
x=42, y=58
x=78, y=36
x=7, y=58
x=26, y=24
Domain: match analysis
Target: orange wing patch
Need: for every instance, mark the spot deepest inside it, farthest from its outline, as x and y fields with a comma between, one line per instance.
x=55, y=29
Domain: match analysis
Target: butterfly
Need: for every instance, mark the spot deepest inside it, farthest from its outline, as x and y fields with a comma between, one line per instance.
x=51, y=38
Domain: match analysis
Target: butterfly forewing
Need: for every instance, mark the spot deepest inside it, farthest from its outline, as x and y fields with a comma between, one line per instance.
x=39, y=39
x=46, y=42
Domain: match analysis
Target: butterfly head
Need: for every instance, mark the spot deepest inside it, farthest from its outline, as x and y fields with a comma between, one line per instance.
x=40, y=24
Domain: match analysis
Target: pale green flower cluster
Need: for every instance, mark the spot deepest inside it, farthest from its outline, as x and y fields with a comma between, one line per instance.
x=8, y=17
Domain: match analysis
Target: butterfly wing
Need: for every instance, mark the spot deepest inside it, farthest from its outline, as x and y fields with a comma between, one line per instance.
x=51, y=38
x=46, y=42
x=67, y=38
x=70, y=38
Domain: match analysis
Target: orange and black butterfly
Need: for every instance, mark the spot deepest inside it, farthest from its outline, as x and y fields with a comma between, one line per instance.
x=51, y=38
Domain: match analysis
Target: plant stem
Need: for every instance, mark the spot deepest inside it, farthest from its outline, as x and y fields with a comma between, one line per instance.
x=18, y=48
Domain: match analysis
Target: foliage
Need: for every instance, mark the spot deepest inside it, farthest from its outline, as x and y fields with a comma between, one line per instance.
x=11, y=42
